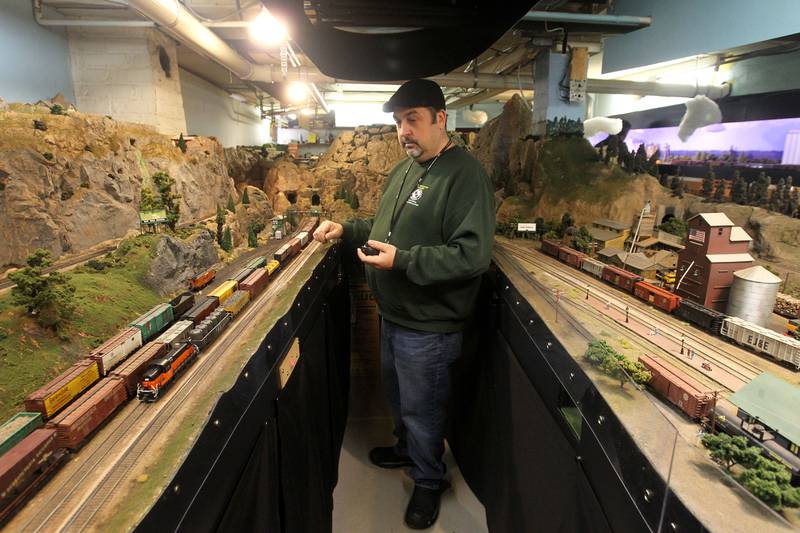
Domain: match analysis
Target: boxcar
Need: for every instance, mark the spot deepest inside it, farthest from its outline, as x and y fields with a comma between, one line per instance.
x=551, y=247
x=303, y=238
x=656, y=296
x=17, y=428
x=762, y=340
x=621, y=278
x=257, y=262
x=294, y=246
x=132, y=369
x=201, y=309
x=198, y=282
x=176, y=334
x=570, y=256
x=255, y=282
x=706, y=319
x=224, y=291
x=116, y=349
x=51, y=398
x=310, y=226
x=24, y=464
x=81, y=418
x=691, y=397
x=593, y=266
x=154, y=321
x=241, y=275
x=236, y=302
x=283, y=253
x=181, y=303
x=272, y=266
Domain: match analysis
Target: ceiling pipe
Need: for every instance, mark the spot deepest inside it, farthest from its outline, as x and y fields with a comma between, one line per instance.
x=588, y=18
x=654, y=88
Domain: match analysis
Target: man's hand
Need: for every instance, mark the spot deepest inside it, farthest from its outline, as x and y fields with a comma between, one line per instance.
x=384, y=260
x=328, y=230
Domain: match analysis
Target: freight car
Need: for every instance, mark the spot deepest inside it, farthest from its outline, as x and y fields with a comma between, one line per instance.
x=551, y=247
x=255, y=282
x=310, y=225
x=237, y=302
x=621, y=278
x=303, y=238
x=181, y=304
x=656, y=296
x=762, y=340
x=162, y=372
x=154, y=321
x=198, y=282
x=83, y=417
x=176, y=334
x=202, y=309
x=17, y=428
x=283, y=253
x=25, y=467
x=257, y=262
x=132, y=369
x=571, y=257
x=706, y=319
x=294, y=246
x=691, y=397
x=52, y=397
x=272, y=266
x=208, y=330
x=224, y=291
x=593, y=267
x=241, y=275
x=116, y=349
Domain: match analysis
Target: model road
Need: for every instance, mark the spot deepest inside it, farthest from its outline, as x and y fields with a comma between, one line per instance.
x=81, y=494
x=687, y=346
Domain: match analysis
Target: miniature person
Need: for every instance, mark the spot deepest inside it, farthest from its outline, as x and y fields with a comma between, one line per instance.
x=432, y=236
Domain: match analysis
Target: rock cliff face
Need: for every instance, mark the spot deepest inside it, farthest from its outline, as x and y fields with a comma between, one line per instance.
x=246, y=166
x=68, y=182
x=176, y=261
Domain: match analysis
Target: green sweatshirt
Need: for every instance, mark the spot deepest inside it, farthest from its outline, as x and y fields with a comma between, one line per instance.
x=444, y=237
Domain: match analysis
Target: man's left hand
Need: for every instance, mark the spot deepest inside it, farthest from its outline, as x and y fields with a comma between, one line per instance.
x=384, y=260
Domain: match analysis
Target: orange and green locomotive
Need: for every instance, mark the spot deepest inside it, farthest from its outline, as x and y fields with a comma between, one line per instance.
x=162, y=372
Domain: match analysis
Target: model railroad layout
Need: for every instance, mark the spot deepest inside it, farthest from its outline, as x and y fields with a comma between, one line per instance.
x=140, y=361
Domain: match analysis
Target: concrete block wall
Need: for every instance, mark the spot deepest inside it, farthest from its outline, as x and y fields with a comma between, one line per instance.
x=118, y=72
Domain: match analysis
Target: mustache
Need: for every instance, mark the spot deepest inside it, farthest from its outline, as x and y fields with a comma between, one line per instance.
x=408, y=140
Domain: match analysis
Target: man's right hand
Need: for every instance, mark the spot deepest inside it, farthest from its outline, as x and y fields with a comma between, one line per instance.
x=328, y=230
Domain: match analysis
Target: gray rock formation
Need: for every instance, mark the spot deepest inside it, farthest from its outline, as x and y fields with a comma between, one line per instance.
x=176, y=261
x=79, y=183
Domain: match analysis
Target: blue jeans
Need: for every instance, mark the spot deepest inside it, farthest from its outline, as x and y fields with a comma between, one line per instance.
x=415, y=367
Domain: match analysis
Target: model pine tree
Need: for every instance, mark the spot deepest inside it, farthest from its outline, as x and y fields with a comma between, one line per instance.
x=231, y=205
x=245, y=198
x=739, y=189
x=719, y=192
x=227, y=240
x=220, y=220
x=47, y=297
x=708, y=185
x=252, y=238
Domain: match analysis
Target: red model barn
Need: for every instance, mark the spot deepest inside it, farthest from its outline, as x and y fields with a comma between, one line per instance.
x=715, y=249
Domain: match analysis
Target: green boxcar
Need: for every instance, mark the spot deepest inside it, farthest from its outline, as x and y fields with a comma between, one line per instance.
x=16, y=429
x=258, y=262
x=154, y=321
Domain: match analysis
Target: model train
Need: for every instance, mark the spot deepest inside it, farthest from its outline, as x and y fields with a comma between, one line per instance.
x=760, y=340
x=140, y=361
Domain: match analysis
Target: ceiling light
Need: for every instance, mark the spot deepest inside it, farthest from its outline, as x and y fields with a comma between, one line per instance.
x=291, y=116
x=307, y=112
x=266, y=29
x=297, y=92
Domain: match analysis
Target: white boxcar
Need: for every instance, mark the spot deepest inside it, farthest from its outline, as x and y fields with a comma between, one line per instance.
x=303, y=236
x=176, y=334
x=593, y=266
x=116, y=349
x=762, y=340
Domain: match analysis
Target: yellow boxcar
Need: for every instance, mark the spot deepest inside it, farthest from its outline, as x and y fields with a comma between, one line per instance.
x=236, y=302
x=224, y=291
x=71, y=389
x=272, y=266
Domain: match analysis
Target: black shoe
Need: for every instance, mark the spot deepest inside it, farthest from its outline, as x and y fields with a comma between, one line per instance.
x=423, y=508
x=386, y=457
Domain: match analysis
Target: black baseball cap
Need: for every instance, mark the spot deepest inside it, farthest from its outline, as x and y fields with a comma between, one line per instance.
x=416, y=93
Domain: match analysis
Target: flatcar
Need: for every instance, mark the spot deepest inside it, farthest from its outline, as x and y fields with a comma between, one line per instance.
x=198, y=282
x=154, y=321
x=551, y=247
x=116, y=349
x=706, y=319
x=593, y=266
x=656, y=296
x=762, y=340
x=54, y=396
x=621, y=278
x=162, y=372
x=224, y=291
x=571, y=257
x=181, y=304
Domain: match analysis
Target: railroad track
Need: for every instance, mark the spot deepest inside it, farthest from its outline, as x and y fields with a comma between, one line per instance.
x=730, y=372
x=64, y=513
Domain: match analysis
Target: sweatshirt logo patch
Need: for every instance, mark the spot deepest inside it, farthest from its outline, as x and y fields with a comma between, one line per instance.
x=416, y=196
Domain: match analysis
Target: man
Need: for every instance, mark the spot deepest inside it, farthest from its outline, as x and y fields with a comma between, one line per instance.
x=432, y=239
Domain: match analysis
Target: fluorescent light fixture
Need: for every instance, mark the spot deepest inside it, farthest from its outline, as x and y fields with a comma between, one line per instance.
x=297, y=92
x=266, y=29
